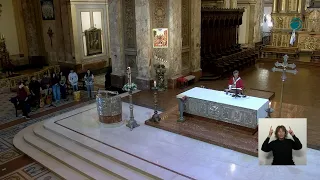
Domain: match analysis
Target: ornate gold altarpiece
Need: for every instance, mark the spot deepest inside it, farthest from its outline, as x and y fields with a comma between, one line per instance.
x=308, y=38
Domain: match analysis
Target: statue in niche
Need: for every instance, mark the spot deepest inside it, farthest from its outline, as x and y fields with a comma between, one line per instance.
x=93, y=41
x=160, y=76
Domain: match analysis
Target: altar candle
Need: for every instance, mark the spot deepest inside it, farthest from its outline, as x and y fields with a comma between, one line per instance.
x=154, y=83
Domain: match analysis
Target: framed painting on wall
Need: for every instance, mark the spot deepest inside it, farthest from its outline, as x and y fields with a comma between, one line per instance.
x=160, y=37
x=93, y=41
x=47, y=9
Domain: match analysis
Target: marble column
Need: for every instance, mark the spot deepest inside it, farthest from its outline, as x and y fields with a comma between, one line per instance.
x=144, y=43
x=234, y=4
x=284, y=4
x=116, y=44
x=258, y=19
x=175, y=40
x=195, y=38
x=275, y=6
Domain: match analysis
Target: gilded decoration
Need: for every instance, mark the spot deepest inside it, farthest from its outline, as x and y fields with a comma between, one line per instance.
x=313, y=20
x=93, y=41
x=129, y=23
x=309, y=43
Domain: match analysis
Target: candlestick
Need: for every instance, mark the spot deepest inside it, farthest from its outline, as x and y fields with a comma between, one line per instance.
x=270, y=104
x=154, y=83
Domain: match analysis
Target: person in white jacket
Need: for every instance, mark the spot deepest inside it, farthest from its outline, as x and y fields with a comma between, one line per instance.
x=73, y=80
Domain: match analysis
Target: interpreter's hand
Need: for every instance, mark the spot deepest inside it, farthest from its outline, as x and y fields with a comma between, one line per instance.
x=270, y=132
x=290, y=131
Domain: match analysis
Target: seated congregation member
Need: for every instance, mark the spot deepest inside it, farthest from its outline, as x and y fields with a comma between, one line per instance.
x=63, y=86
x=22, y=96
x=281, y=147
x=235, y=82
x=34, y=87
x=73, y=80
x=88, y=78
x=45, y=83
x=55, y=80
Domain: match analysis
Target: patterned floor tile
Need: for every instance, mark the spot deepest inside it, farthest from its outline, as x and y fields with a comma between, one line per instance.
x=9, y=155
x=34, y=169
x=48, y=176
x=14, y=176
x=4, y=146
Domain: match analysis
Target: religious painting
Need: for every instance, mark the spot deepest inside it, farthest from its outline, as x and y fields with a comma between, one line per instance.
x=160, y=38
x=47, y=9
x=93, y=41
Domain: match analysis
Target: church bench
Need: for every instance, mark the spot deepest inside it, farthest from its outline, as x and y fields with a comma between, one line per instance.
x=315, y=56
x=280, y=51
x=185, y=81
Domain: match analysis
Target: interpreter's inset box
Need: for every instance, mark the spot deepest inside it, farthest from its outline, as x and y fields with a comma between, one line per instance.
x=282, y=141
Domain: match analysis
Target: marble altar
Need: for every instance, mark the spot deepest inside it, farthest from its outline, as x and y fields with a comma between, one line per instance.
x=217, y=105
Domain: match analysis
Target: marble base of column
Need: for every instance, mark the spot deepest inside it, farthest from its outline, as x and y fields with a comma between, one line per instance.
x=197, y=74
x=117, y=81
x=173, y=83
x=143, y=84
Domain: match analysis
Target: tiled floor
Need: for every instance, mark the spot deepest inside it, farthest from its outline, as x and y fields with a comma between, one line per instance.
x=300, y=94
x=178, y=153
x=33, y=171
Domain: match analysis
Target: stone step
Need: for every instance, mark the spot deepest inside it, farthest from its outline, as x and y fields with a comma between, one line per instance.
x=97, y=159
x=111, y=152
x=54, y=165
x=83, y=167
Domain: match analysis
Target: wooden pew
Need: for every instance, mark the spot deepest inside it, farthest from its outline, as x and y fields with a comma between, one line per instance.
x=292, y=52
x=315, y=57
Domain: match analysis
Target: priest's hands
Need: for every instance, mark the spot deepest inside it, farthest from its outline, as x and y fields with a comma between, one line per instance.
x=270, y=132
x=290, y=131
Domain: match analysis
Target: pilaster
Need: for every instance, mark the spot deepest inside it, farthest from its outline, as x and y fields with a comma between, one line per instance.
x=195, y=38
x=144, y=43
x=116, y=43
x=175, y=40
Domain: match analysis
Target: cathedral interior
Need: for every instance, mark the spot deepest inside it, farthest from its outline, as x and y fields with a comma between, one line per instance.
x=151, y=97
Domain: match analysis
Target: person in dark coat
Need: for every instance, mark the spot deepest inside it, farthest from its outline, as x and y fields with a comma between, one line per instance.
x=34, y=87
x=22, y=96
x=282, y=147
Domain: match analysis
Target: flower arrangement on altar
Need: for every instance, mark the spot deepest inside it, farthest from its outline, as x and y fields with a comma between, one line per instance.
x=130, y=87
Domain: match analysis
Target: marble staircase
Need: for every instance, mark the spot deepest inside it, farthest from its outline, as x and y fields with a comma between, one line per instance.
x=73, y=156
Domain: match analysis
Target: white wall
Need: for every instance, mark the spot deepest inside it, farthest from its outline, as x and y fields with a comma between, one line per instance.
x=298, y=126
x=8, y=27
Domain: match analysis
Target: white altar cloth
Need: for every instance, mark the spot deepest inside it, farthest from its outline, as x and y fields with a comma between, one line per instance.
x=251, y=103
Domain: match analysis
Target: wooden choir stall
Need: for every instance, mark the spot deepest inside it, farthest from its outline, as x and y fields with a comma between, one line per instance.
x=219, y=41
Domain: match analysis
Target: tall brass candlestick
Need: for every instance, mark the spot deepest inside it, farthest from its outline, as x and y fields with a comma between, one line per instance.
x=132, y=123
